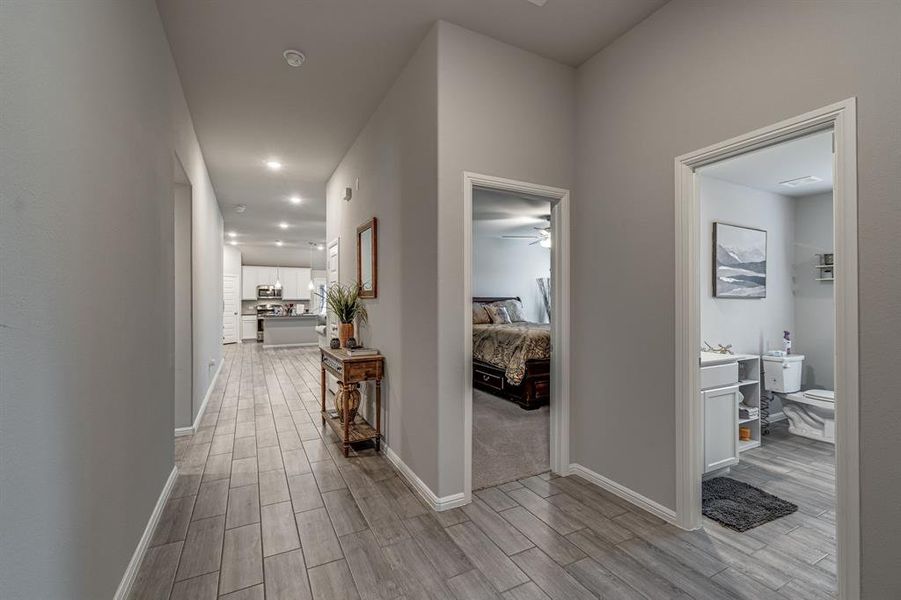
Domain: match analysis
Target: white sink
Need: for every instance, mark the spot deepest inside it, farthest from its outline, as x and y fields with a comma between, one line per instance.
x=715, y=358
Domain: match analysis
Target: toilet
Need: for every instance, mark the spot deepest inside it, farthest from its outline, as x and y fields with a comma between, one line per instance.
x=810, y=413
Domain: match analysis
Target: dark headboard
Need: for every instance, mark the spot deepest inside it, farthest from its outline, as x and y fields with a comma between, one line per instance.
x=490, y=299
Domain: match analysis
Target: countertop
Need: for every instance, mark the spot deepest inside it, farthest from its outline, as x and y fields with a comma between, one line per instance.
x=290, y=317
x=714, y=358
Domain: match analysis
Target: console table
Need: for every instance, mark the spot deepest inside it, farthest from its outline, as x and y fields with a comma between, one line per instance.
x=350, y=371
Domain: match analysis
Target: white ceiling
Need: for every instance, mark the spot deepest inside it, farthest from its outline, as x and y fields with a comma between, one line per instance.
x=249, y=105
x=765, y=169
x=496, y=213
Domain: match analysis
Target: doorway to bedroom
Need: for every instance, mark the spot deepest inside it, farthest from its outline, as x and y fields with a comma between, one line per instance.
x=511, y=312
x=516, y=326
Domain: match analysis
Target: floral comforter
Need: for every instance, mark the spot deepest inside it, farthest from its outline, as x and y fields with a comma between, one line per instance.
x=509, y=346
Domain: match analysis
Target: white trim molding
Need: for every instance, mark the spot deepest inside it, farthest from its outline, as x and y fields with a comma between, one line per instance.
x=667, y=514
x=560, y=319
x=842, y=120
x=192, y=429
x=425, y=492
x=266, y=347
x=131, y=571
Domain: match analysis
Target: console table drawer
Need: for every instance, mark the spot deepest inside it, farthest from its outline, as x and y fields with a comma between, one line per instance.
x=489, y=379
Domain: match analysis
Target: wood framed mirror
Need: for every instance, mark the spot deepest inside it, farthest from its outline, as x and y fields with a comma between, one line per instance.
x=367, y=259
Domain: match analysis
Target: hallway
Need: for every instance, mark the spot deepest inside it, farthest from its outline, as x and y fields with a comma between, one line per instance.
x=264, y=507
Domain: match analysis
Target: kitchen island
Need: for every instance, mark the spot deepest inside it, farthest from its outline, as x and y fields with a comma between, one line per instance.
x=290, y=330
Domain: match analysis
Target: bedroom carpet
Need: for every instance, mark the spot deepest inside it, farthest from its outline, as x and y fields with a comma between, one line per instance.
x=508, y=442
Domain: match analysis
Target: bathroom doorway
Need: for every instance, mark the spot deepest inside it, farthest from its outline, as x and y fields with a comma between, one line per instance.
x=769, y=430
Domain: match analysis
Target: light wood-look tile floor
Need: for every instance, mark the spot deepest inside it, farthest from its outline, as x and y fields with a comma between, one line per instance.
x=266, y=506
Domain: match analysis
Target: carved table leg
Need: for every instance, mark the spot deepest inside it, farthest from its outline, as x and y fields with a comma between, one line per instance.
x=322, y=395
x=378, y=414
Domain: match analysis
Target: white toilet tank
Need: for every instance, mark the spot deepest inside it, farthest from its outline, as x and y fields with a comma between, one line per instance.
x=782, y=373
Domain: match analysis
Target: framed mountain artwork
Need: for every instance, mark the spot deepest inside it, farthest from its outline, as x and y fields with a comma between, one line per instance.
x=739, y=261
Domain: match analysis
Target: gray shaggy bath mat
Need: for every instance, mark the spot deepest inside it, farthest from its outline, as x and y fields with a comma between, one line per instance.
x=740, y=506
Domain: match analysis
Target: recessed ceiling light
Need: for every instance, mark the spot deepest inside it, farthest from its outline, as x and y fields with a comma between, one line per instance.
x=232, y=234
x=239, y=208
x=283, y=225
x=274, y=165
x=806, y=180
x=279, y=243
x=295, y=199
x=295, y=58
x=320, y=247
x=233, y=242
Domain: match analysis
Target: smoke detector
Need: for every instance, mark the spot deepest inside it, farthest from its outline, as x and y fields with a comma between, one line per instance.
x=295, y=58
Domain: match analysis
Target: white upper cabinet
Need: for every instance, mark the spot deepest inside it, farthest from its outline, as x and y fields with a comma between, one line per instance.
x=295, y=281
x=304, y=276
x=248, y=283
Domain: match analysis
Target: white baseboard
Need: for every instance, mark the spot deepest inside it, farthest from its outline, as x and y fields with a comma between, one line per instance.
x=192, y=429
x=667, y=514
x=438, y=504
x=268, y=346
x=131, y=572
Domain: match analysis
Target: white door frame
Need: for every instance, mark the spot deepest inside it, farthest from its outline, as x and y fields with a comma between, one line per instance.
x=336, y=244
x=560, y=269
x=841, y=118
x=237, y=312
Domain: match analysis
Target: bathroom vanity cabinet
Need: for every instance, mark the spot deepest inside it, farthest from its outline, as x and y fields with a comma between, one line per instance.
x=726, y=380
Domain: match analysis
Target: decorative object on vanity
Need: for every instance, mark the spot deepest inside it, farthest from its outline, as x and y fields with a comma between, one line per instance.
x=351, y=343
x=367, y=259
x=344, y=303
x=825, y=269
x=739, y=261
x=720, y=349
x=740, y=506
x=350, y=371
x=334, y=343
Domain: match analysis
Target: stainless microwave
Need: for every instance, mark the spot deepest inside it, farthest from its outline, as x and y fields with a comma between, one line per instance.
x=268, y=291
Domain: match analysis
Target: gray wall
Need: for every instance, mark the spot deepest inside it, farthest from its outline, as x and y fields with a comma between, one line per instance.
x=752, y=326
x=92, y=114
x=814, y=300
x=510, y=268
x=693, y=74
x=501, y=111
x=184, y=353
x=395, y=158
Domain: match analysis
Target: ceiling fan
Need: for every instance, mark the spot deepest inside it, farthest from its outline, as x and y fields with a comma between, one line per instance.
x=542, y=237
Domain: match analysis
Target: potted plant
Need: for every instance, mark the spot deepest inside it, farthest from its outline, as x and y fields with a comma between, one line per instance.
x=344, y=302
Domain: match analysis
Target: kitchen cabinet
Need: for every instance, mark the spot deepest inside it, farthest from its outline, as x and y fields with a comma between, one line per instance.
x=295, y=281
x=248, y=283
x=248, y=327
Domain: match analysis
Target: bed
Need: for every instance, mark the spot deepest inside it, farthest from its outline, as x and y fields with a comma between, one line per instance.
x=512, y=360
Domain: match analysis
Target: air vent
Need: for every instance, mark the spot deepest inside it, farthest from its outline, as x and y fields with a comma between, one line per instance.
x=806, y=180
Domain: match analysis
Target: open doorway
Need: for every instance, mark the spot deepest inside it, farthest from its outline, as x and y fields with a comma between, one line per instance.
x=184, y=300
x=766, y=289
x=511, y=311
x=522, y=371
